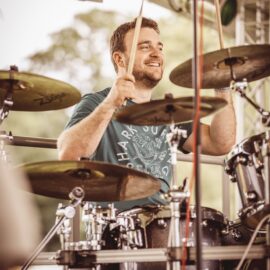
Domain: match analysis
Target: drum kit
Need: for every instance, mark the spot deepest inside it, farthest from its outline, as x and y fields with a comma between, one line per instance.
x=150, y=237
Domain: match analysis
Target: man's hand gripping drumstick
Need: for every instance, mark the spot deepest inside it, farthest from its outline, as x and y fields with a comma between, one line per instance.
x=123, y=88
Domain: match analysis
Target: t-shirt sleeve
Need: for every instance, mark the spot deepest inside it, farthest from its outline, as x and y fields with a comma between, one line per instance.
x=87, y=105
x=188, y=128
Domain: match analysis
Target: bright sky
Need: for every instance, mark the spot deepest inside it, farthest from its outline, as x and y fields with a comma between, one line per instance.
x=25, y=25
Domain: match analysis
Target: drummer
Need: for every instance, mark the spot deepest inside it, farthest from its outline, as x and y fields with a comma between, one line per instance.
x=91, y=132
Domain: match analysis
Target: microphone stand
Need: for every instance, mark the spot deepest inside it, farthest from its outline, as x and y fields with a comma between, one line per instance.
x=76, y=196
x=175, y=196
x=198, y=144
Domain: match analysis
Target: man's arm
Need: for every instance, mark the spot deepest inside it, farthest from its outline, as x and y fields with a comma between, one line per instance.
x=82, y=139
x=219, y=137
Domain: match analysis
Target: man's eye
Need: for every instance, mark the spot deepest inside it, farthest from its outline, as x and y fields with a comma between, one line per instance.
x=145, y=47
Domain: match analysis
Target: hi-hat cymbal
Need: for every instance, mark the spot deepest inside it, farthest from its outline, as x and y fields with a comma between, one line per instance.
x=167, y=111
x=100, y=181
x=248, y=62
x=36, y=93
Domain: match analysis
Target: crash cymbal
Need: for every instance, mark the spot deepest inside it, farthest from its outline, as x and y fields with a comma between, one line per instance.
x=248, y=62
x=168, y=110
x=36, y=93
x=100, y=181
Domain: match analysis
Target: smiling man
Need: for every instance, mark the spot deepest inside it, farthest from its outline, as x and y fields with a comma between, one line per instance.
x=91, y=132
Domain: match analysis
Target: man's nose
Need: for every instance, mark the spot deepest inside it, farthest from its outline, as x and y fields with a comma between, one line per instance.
x=156, y=52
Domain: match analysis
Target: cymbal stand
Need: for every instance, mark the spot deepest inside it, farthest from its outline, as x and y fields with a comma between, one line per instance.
x=10, y=139
x=175, y=196
x=68, y=212
x=240, y=87
x=266, y=162
x=8, y=101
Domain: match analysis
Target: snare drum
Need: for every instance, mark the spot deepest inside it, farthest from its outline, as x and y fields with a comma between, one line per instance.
x=152, y=225
x=244, y=165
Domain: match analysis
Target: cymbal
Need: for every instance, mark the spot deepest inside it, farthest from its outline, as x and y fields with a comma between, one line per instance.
x=168, y=110
x=37, y=93
x=100, y=181
x=248, y=62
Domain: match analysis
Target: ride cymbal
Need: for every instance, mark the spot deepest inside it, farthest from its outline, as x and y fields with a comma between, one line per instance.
x=167, y=111
x=100, y=181
x=32, y=92
x=221, y=67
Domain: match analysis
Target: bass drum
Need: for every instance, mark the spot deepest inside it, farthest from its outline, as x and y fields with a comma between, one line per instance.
x=152, y=225
x=239, y=234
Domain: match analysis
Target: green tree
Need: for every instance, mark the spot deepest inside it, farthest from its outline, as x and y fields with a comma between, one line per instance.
x=79, y=50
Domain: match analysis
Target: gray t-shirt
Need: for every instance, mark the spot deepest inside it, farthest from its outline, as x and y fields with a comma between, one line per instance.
x=143, y=148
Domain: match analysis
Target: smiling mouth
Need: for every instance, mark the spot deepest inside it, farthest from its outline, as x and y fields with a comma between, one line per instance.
x=153, y=65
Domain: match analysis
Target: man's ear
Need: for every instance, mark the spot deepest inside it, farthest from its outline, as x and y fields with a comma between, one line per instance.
x=119, y=59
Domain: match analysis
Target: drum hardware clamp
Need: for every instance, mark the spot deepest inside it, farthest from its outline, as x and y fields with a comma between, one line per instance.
x=240, y=87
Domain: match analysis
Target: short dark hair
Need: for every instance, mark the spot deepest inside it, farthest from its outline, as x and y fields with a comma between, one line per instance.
x=118, y=36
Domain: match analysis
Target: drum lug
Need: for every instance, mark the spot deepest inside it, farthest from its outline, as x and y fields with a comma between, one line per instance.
x=138, y=222
x=237, y=235
x=242, y=160
x=225, y=231
x=233, y=178
x=204, y=223
x=251, y=196
x=230, y=172
x=162, y=223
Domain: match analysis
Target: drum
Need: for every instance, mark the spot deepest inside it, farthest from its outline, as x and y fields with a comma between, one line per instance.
x=245, y=166
x=149, y=227
x=238, y=234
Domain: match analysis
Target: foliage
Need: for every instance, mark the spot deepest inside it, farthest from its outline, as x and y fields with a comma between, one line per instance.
x=78, y=50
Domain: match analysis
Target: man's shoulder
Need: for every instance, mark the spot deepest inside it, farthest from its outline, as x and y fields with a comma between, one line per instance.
x=100, y=95
x=87, y=105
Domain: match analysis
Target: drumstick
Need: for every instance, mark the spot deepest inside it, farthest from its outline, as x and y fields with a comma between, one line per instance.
x=134, y=45
x=220, y=33
x=135, y=41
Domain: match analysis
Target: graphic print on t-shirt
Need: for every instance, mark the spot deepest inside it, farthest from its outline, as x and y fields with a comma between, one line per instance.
x=145, y=149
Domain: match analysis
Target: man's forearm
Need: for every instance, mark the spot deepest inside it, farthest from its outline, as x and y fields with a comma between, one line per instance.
x=223, y=125
x=82, y=139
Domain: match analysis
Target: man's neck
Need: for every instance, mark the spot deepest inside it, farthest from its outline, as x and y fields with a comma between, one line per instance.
x=142, y=94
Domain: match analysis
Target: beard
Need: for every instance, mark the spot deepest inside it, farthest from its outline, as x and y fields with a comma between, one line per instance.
x=148, y=79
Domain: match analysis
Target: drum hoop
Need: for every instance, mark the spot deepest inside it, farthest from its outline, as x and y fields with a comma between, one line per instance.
x=244, y=147
x=149, y=213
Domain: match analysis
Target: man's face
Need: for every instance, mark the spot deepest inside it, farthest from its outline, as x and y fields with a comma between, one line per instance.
x=148, y=65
